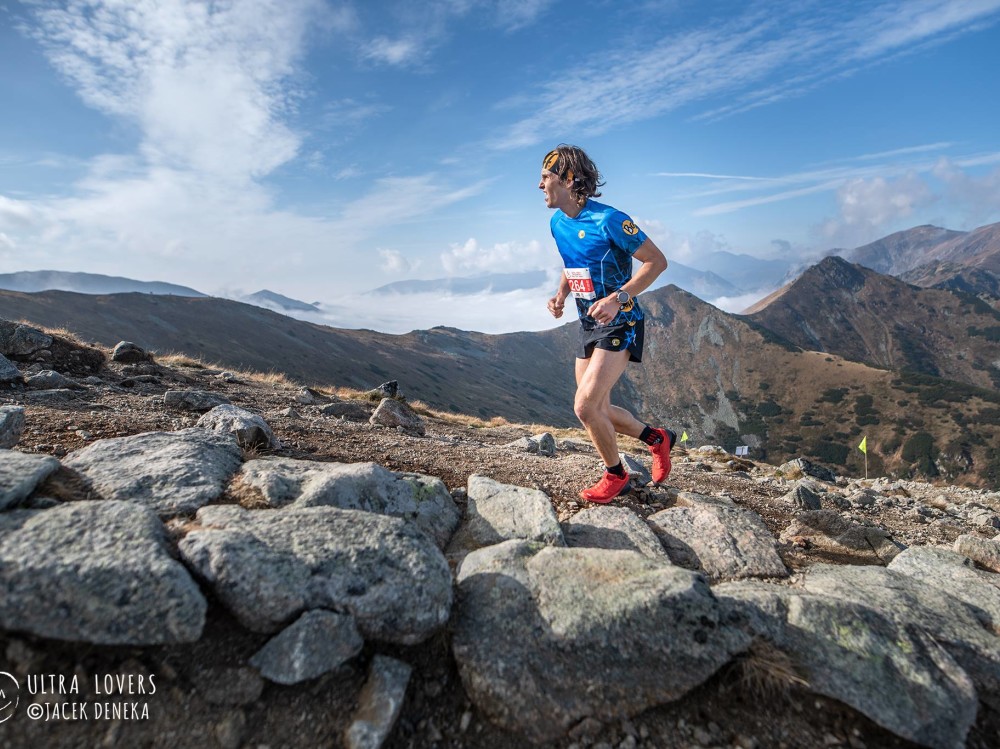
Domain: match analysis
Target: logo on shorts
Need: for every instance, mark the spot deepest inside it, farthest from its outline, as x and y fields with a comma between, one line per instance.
x=616, y=342
x=630, y=323
x=629, y=228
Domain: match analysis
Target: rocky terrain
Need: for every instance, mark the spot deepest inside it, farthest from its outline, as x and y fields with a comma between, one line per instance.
x=298, y=567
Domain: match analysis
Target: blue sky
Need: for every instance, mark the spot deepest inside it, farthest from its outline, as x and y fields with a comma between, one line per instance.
x=321, y=149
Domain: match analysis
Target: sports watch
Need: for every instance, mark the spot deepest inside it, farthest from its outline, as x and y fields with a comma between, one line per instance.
x=623, y=297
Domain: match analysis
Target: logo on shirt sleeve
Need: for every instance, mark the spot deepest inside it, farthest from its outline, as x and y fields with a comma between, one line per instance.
x=629, y=227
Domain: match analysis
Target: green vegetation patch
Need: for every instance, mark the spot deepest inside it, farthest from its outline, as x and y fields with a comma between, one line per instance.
x=920, y=452
x=833, y=395
x=830, y=452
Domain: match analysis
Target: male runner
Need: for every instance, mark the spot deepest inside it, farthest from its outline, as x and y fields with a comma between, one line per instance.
x=597, y=244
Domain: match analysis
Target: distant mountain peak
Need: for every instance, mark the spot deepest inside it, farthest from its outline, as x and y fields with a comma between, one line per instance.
x=87, y=283
x=271, y=299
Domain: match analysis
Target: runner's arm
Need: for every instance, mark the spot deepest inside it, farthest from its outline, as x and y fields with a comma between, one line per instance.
x=653, y=264
x=557, y=302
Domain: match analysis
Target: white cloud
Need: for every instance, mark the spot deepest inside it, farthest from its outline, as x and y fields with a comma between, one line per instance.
x=504, y=257
x=393, y=51
x=207, y=84
x=6, y=243
x=524, y=309
x=767, y=53
x=737, y=304
x=977, y=197
x=16, y=213
x=684, y=247
x=869, y=208
x=515, y=14
x=393, y=261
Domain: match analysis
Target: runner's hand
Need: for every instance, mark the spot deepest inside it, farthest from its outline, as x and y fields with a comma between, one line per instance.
x=604, y=310
x=556, y=306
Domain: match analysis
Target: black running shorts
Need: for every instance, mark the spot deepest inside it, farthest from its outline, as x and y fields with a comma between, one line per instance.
x=612, y=338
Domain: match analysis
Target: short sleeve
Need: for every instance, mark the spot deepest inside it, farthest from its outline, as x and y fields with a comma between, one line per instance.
x=624, y=233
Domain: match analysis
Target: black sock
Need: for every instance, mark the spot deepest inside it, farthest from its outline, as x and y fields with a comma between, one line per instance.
x=650, y=437
x=617, y=470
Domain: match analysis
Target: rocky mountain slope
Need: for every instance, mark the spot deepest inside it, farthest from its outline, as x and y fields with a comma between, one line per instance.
x=902, y=251
x=932, y=257
x=223, y=559
x=723, y=378
x=869, y=317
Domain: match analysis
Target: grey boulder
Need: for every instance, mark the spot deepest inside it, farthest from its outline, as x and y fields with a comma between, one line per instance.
x=895, y=674
x=8, y=371
x=828, y=530
x=396, y=414
x=11, y=425
x=95, y=572
x=17, y=339
x=609, y=527
x=193, y=400
x=423, y=500
x=250, y=429
x=953, y=623
x=20, y=475
x=547, y=636
x=269, y=566
x=379, y=703
x=170, y=472
x=499, y=512
x=725, y=542
x=955, y=574
x=983, y=551
x=316, y=642
x=127, y=352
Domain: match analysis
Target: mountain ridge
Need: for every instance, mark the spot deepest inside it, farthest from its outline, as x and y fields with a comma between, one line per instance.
x=722, y=378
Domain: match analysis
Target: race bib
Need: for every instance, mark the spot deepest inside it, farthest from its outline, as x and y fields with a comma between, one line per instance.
x=581, y=285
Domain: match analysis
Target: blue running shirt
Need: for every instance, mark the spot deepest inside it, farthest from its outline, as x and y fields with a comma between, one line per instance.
x=597, y=248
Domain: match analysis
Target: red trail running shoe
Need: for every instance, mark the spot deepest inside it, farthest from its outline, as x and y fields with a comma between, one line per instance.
x=609, y=487
x=661, y=455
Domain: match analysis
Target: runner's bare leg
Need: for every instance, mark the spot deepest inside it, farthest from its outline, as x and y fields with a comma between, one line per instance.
x=595, y=377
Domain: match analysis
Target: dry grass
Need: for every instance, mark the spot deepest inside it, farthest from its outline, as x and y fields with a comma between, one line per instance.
x=66, y=485
x=67, y=335
x=279, y=379
x=180, y=360
x=766, y=672
x=246, y=496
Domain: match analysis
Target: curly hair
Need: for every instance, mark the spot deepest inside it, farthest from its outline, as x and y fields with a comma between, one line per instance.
x=572, y=162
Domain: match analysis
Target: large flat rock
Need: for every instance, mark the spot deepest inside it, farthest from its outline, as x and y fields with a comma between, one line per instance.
x=499, y=512
x=894, y=673
x=95, y=572
x=725, y=542
x=169, y=472
x=270, y=566
x=20, y=475
x=908, y=601
x=610, y=527
x=423, y=500
x=546, y=636
x=955, y=574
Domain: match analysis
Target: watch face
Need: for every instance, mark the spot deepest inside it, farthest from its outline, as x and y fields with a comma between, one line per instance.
x=623, y=297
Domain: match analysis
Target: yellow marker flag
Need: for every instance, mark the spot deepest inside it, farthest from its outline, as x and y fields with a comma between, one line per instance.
x=684, y=437
x=863, y=447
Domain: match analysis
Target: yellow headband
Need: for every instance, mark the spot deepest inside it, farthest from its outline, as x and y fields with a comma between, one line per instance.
x=553, y=162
